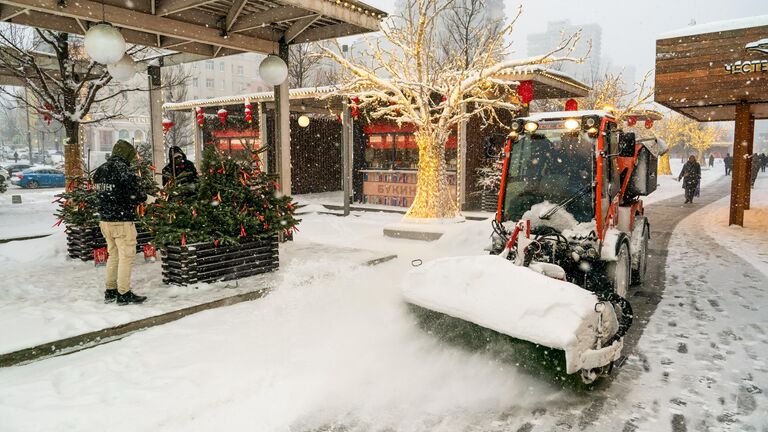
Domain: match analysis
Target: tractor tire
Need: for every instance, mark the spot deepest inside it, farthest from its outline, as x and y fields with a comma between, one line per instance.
x=33, y=184
x=638, y=275
x=619, y=272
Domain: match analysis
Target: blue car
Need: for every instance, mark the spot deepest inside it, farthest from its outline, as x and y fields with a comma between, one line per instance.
x=34, y=178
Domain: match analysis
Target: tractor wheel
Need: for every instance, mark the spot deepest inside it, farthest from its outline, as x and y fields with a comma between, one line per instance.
x=33, y=184
x=638, y=276
x=619, y=272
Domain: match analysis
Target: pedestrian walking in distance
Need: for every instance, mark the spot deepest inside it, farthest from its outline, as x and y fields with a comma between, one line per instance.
x=691, y=174
x=756, y=165
x=118, y=193
x=728, y=162
x=711, y=160
x=15, y=156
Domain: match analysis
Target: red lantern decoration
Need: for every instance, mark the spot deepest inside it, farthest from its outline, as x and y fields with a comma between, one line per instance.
x=222, y=113
x=167, y=125
x=100, y=256
x=631, y=121
x=571, y=105
x=200, y=117
x=648, y=123
x=525, y=91
x=248, y=113
x=356, y=100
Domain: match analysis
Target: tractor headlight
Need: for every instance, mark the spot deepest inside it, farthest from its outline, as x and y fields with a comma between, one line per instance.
x=531, y=126
x=516, y=126
x=572, y=124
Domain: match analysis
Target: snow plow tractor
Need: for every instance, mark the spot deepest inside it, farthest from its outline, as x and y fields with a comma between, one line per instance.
x=569, y=238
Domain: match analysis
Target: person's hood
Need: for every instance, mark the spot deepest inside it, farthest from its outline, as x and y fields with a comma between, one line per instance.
x=124, y=150
x=174, y=150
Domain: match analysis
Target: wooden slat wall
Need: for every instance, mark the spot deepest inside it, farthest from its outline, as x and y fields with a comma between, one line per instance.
x=690, y=70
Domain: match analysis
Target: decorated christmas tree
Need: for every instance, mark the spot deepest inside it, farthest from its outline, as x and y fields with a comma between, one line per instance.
x=234, y=201
x=78, y=201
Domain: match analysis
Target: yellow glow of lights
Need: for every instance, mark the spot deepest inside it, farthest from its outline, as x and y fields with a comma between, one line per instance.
x=572, y=124
x=531, y=127
x=513, y=135
x=592, y=131
x=609, y=108
x=303, y=121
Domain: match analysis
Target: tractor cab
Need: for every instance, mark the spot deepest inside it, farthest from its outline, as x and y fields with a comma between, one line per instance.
x=579, y=163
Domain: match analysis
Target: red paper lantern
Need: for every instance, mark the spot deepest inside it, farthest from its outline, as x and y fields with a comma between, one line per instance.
x=525, y=91
x=248, y=112
x=571, y=105
x=200, y=117
x=167, y=125
x=222, y=113
x=631, y=121
x=648, y=123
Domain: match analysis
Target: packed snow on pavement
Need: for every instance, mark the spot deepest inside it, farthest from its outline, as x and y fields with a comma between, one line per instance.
x=334, y=347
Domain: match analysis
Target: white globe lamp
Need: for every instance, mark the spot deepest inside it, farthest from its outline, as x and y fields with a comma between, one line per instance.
x=273, y=70
x=123, y=70
x=303, y=121
x=104, y=44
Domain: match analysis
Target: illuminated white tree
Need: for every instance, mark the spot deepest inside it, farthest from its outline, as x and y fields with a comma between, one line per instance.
x=406, y=77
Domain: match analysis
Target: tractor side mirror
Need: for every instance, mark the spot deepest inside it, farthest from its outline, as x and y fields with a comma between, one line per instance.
x=627, y=144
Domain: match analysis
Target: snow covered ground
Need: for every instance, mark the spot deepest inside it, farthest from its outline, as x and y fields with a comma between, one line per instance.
x=750, y=242
x=334, y=348
x=34, y=216
x=47, y=296
x=669, y=186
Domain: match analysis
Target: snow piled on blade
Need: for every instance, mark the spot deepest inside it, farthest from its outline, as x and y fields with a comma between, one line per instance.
x=493, y=293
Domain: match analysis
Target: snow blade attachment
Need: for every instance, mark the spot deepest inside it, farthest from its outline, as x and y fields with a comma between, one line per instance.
x=493, y=293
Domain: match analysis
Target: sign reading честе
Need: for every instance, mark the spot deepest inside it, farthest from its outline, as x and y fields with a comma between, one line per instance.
x=750, y=66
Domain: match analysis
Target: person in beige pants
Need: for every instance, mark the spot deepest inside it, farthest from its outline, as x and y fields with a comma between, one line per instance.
x=118, y=192
x=121, y=245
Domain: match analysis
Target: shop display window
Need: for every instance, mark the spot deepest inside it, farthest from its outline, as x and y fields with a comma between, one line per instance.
x=399, y=151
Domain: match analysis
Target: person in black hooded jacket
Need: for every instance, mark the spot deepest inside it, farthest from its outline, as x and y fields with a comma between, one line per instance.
x=179, y=170
x=118, y=192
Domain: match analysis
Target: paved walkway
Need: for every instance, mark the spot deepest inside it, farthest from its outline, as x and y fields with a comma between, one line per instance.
x=700, y=363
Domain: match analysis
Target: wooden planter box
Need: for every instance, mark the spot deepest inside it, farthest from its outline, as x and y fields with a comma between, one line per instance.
x=204, y=262
x=490, y=200
x=81, y=241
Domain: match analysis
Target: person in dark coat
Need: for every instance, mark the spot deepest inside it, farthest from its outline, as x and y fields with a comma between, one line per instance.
x=711, y=160
x=756, y=165
x=15, y=156
x=728, y=162
x=692, y=174
x=179, y=170
x=763, y=161
x=118, y=192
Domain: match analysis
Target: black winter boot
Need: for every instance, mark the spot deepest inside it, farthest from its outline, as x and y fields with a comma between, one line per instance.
x=110, y=295
x=130, y=298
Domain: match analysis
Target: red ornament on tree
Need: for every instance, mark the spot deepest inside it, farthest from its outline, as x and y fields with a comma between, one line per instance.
x=47, y=115
x=200, y=117
x=248, y=112
x=222, y=113
x=354, y=111
x=648, y=123
x=167, y=125
x=525, y=91
x=631, y=121
x=571, y=105
x=356, y=100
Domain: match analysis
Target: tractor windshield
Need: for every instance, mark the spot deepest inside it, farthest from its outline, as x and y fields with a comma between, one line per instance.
x=552, y=164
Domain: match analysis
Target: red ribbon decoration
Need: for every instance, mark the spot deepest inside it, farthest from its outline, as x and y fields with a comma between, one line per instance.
x=183, y=239
x=242, y=231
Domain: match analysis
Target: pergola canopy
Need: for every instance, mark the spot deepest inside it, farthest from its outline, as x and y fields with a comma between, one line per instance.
x=202, y=28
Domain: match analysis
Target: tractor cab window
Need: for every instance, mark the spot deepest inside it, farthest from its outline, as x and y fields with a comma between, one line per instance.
x=554, y=165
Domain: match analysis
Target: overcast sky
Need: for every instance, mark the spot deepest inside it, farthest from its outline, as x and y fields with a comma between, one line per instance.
x=629, y=28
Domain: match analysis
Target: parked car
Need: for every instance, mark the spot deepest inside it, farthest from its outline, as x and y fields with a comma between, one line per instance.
x=14, y=168
x=39, y=177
